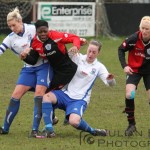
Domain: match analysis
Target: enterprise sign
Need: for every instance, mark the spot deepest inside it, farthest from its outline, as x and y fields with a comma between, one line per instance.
x=76, y=18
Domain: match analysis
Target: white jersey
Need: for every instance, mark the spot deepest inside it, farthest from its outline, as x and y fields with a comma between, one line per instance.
x=80, y=86
x=18, y=43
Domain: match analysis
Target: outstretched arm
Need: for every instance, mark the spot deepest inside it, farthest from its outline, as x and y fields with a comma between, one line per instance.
x=74, y=50
x=111, y=80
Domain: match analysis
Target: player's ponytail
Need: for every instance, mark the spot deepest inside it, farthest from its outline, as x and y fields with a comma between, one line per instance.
x=14, y=14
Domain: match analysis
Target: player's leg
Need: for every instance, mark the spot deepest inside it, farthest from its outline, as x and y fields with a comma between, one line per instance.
x=39, y=92
x=42, y=75
x=56, y=98
x=47, y=111
x=59, y=81
x=75, y=112
x=13, y=107
x=131, y=85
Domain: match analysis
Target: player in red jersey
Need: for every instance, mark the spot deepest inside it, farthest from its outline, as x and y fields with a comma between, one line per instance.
x=50, y=44
x=138, y=66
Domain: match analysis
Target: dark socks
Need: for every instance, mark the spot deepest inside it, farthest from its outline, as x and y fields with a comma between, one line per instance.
x=37, y=112
x=130, y=110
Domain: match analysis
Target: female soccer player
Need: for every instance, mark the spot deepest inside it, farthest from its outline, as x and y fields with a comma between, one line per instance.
x=50, y=45
x=138, y=66
x=31, y=76
x=75, y=98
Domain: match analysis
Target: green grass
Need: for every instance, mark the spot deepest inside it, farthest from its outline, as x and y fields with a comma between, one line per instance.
x=104, y=111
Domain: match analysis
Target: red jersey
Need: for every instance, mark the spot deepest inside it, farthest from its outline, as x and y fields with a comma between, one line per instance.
x=138, y=53
x=55, y=51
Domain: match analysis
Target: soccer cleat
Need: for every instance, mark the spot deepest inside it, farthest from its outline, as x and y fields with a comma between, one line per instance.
x=2, y=131
x=46, y=134
x=100, y=132
x=55, y=120
x=130, y=130
x=34, y=133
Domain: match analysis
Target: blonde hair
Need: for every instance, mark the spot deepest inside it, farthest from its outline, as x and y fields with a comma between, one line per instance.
x=145, y=18
x=14, y=14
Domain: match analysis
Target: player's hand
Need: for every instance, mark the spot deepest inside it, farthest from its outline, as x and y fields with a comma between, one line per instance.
x=83, y=41
x=128, y=70
x=24, y=54
x=110, y=77
x=73, y=50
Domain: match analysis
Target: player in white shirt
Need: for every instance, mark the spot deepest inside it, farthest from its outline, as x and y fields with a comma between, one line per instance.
x=36, y=76
x=76, y=96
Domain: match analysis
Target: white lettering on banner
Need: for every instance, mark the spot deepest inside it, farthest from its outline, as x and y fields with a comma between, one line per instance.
x=76, y=18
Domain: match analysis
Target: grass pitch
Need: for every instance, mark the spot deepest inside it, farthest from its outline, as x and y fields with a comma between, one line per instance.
x=104, y=111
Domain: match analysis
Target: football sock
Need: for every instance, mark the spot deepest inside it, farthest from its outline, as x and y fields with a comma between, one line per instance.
x=47, y=111
x=37, y=112
x=11, y=113
x=130, y=110
x=53, y=113
x=83, y=125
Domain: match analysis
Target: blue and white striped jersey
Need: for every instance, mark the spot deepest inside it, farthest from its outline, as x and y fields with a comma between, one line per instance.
x=18, y=43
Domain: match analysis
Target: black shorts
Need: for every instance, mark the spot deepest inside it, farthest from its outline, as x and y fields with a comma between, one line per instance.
x=136, y=77
x=62, y=76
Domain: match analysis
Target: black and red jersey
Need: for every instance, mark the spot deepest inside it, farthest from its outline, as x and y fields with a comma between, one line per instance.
x=138, y=53
x=54, y=48
x=55, y=51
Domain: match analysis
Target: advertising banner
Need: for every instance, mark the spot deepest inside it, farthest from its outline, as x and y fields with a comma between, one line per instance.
x=74, y=17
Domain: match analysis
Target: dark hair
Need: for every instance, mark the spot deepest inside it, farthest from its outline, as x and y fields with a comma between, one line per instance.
x=96, y=43
x=40, y=23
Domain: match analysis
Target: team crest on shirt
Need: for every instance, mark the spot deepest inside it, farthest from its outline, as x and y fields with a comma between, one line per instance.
x=48, y=47
x=148, y=51
x=29, y=37
x=93, y=71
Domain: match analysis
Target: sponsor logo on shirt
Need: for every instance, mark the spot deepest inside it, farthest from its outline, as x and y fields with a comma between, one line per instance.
x=139, y=49
x=131, y=44
x=50, y=53
x=84, y=73
x=25, y=45
x=38, y=49
x=42, y=54
x=139, y=54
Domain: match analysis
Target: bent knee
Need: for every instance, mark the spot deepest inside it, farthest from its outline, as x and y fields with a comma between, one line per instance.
x=49, y=97
x=130, y=94
x=74, y=121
